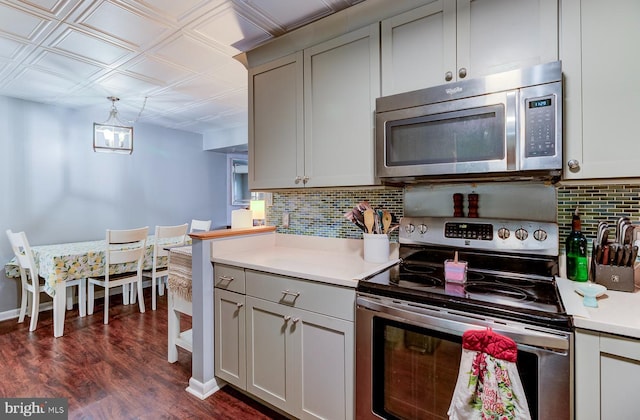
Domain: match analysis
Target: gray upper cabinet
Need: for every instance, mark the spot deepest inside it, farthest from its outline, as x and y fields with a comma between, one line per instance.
x=449, y=40
x=601, y=66
x=341, y=84
x=311, y=115
x=276, y=143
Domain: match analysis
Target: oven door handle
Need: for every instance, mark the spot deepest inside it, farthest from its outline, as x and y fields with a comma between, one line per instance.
x=457, y=324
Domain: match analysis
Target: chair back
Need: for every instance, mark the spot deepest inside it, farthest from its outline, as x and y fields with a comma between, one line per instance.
x=168, y=236
x=203, y=225
x=24, y=256
x=126, y=246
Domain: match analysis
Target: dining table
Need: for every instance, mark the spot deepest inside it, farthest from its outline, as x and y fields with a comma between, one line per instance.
x=58, y=263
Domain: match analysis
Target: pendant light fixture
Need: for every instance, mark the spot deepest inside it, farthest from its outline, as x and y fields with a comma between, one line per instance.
x=113, y=136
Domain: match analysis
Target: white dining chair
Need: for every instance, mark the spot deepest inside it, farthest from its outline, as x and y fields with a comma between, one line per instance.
x=165, y=236
x=200, y=225
x=124, y=247
x=32, y=283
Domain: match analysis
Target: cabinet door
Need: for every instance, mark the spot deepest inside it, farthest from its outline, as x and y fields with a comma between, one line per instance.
x=619, y=375
x=601, y=67
x=326, y=365
x=418, y=47
x=229, y=342
x=500, y=35
x=271, y=373
x=276, y=148
x=607, y=367
x=342, y=81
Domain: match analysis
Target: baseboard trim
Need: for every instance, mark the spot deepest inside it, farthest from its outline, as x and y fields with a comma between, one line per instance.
x=204, y=390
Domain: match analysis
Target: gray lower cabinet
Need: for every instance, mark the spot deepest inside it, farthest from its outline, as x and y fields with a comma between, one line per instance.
x=298, y=344
x=607, y=375
x=229, y=334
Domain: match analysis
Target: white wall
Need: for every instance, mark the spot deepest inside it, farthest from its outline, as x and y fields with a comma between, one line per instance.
x=56, y=189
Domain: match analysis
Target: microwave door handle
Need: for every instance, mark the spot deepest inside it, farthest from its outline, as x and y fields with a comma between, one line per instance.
x=511, y=130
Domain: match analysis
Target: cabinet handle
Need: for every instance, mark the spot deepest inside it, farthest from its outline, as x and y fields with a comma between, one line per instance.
x=286, y=318
x=462, y=72
x=305, y=179
x=226, y=278
x=295, y=320
x=287, y=292
x=448, y=76
x=573, y=164
x=297, y=180
x=239, y=304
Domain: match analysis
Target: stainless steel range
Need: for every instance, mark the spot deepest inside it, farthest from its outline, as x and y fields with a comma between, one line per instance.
x=409, y=321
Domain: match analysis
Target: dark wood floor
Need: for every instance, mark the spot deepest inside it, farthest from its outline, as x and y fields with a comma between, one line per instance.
x=115, y=371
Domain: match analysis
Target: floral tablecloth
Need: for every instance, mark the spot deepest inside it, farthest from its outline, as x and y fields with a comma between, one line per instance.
x=79, y=260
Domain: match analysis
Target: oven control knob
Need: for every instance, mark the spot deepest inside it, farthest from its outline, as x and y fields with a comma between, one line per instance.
x=522, y=234
x=422, y=229
x=503, y=233
x=540, y=235
x=409, y=228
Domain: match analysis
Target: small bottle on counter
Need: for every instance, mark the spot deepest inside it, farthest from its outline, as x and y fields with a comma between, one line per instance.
x=576, y=249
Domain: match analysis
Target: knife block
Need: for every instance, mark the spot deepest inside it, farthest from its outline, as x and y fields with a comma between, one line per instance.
x=615, y=277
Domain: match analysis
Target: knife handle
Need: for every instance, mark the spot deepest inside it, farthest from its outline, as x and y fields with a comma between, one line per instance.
x=598, y=254
x=620, y=255
x=634, y=255
x=605, y=255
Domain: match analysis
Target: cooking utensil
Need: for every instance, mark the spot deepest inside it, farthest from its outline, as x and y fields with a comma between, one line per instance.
x=369, y=220
x=386, y=221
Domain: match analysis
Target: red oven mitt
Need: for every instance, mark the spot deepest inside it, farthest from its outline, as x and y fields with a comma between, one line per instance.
x=488, y=385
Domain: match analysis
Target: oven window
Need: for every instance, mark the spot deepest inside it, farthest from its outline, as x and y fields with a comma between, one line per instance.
x=472, y=135
x=415, y=371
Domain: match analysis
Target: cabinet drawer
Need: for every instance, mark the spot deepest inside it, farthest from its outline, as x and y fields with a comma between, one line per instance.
x=304, y=294
x=229, y=278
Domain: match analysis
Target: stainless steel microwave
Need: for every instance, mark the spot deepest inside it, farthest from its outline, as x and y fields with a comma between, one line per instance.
x=506, y=125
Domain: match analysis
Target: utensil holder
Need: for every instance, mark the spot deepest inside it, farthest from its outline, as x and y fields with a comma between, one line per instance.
x=376, y=247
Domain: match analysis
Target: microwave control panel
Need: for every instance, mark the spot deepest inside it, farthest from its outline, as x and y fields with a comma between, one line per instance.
x=540, y=126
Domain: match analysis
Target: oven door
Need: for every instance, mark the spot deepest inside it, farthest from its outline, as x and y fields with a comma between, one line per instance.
x=408, y=357
x=462, y=136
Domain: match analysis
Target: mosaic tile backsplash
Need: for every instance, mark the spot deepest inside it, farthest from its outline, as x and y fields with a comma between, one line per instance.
x=596, y=203
x=320, y=212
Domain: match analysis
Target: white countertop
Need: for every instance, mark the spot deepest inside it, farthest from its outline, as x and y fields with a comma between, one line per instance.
x=328, y=260
x=617, y=312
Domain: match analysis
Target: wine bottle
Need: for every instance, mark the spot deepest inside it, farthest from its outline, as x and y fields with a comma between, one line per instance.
x=576, y=250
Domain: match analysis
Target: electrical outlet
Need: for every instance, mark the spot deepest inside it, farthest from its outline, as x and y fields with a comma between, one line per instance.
x=285, y=220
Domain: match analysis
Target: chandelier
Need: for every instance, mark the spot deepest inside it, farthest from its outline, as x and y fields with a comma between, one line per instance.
x=113, y=136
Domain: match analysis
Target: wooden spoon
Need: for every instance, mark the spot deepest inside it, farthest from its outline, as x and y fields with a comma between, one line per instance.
x=386, y=221
x=369, y=220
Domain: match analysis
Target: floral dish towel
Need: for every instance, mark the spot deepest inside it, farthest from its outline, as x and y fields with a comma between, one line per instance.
x=488, y=385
